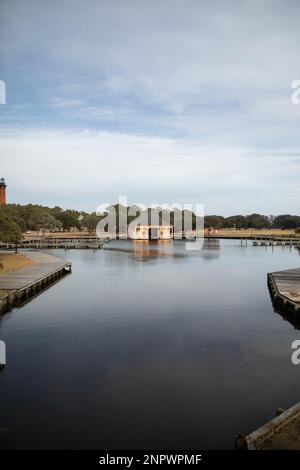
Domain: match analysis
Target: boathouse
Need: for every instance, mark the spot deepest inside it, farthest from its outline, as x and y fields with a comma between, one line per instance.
x=150, y=232
x=142, y=228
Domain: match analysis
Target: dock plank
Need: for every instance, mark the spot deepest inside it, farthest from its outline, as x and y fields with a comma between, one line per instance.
x=281, y=433
x=43, y=265
x=285, y=285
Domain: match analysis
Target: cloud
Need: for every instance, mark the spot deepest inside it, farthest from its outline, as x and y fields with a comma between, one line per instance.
x=84, y=169
x=63, y=103
x=177, y=100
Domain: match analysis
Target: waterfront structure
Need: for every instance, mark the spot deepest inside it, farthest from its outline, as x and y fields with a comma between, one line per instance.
x=281, y=433
x=150, y=232
x=3, y=186
x=153, y=224
x=19, y=286
x=210, y=231
x=284, y=287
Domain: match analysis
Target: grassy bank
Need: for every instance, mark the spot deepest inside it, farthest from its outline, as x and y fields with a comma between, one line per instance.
x=254, y=233
x=13, y=261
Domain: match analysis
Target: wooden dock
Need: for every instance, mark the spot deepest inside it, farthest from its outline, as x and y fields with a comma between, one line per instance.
x=19, y=286
x=67, y=243
x=281, y=433
x=276, y=242
x=91, y=241
x=284, y=287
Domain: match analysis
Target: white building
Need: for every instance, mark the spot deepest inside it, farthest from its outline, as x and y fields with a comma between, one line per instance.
x=150, y=232
x=151, y=224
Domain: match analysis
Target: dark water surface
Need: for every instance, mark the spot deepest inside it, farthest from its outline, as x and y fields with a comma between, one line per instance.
x=149, y=346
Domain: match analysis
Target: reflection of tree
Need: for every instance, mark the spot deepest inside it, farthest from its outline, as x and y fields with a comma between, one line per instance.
x=211, y=244
x=211, y=249
x=147, y=249
x=142, y=250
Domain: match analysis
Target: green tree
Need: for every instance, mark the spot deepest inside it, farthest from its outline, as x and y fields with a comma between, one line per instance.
x=10, y=232
x=287, y=221
x=69, y=219
x=236, y=221
x=258, y=221
x=215, y=221
x=91, y=221
x=42, y=219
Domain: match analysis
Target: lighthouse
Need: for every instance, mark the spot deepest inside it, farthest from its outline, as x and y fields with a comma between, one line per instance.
x=2, y=191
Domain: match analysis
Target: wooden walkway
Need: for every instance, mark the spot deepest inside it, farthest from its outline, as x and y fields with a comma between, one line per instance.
x=285, y=288
x=94, y=242
x=67, y=243
x=26, y=282
x=281, y=433
x=277, y=242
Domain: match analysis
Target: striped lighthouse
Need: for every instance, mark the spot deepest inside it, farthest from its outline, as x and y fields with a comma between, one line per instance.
x=2, y=191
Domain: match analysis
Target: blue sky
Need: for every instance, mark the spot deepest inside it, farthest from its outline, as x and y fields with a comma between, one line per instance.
x=164, y=101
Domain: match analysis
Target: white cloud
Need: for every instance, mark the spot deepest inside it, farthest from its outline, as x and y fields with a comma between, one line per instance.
x=164, y=51
x=215, y=76
x=64, y=103
x=87, y=168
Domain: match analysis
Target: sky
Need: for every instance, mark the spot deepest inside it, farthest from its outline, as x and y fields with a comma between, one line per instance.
x=163, y=101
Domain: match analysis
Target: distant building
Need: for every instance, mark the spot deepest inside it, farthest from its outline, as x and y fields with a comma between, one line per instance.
x=150, y=225
x=210, y=231
x=150, y=232
x=2, y=191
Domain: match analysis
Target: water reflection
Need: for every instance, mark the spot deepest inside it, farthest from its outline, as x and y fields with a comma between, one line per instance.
x=211, y=249
x=145, y=250
x=147, y=345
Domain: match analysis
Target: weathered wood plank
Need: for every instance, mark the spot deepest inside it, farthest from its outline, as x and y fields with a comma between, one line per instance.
x=285, y=287
x=43, y=265
x=281, y=433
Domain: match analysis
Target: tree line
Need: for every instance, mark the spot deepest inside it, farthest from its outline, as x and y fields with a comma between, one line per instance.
x=16, y=219
x=253, y=221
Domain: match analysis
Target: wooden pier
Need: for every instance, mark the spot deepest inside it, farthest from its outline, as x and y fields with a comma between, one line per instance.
x=91, y=241
x=281, y=433
x=276, y=241
x=67, y=243
x=284, y=287
x=19, y=286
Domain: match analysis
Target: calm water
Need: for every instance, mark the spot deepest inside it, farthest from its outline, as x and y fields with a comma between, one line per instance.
x=149, y=346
